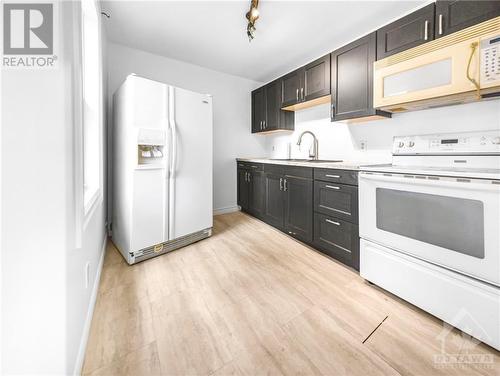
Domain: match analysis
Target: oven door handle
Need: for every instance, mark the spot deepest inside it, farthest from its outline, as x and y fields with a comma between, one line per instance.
x=451, y=182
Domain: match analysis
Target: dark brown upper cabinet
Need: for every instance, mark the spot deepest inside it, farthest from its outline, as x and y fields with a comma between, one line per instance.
x=352, y=81
x=266, y=112
x=407, y=32
x=291, y=86
x=258, y=109
x=272, y=106
x=317, y=79
x=306, y=86
x=452, y=16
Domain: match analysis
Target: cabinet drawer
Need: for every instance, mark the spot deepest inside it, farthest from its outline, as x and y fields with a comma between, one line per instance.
x=336, y=176
x=300, y=172
x=338, y=200
x=251, y=166
x=337, y=238
x=274, y=169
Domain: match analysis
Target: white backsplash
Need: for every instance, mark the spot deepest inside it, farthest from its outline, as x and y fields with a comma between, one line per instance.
x=339, y=140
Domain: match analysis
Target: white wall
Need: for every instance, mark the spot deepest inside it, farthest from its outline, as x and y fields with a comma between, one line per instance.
x=44, y=301
x=36, y=115
x=339, y=140
x=81, y=298
x=231, y=101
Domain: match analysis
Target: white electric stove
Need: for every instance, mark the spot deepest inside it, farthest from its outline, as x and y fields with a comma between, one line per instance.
x=430, y=227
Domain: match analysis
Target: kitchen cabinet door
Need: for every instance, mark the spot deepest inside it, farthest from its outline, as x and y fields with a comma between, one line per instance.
x=274, y=200
x=291, y=86
x=352, y=80
x=299, y=207
x=273, y=109
x=243, y=188
x=407, y=32
x=258, y=109
x=316, y=79
x=452, y=16
x=256, y=193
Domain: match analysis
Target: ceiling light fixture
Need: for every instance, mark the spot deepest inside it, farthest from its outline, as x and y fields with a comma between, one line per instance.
x=252, y=16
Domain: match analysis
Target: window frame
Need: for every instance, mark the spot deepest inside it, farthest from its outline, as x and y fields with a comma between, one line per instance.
x=92, y=199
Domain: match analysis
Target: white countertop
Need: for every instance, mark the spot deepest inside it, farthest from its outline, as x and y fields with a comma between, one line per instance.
x=343, y=165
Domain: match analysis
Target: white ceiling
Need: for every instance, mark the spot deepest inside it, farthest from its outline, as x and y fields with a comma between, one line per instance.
x=213, y=33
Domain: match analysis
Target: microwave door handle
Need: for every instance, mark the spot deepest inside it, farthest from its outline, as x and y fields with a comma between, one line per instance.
x=473, y=47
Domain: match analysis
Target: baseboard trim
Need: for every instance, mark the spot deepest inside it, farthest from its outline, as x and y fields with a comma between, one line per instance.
x=228, y=209
x=90, y=313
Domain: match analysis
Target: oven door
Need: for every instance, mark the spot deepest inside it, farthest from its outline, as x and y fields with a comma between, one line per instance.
x=450, y=222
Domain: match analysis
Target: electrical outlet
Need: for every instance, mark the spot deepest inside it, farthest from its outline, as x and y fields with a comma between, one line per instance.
x=87, y=275
x=274, y=147
x=363, y=145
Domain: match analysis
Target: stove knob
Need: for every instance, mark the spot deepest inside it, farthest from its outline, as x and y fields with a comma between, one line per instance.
x=495, y=141
x=411, y=144
x=401, y=144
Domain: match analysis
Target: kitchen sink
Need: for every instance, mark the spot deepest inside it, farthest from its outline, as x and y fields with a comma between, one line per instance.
x=307, y=160
x=290, y=160
x=324, y=160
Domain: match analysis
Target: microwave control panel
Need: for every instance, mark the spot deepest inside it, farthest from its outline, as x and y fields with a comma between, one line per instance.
x=486, y=142
x=490, y=60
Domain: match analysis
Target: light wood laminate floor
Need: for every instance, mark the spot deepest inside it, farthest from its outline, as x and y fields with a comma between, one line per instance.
x=253, y=301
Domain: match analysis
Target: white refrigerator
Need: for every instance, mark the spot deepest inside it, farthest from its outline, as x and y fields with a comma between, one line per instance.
x=162, y=168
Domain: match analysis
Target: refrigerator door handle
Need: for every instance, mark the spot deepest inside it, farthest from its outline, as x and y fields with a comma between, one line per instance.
x=173, y=161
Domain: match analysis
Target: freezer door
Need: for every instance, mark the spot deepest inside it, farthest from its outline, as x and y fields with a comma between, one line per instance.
x=190, y=202
x=149, y=103
x=149, y=204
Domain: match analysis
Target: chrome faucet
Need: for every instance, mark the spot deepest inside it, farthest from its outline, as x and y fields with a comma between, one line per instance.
x=313, y=152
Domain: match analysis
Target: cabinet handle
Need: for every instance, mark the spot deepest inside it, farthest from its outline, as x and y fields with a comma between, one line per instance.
x=426, y=30
x=302, y=93
x=440, y=27
x=285, y=185
x=292, y=233
x=249, y=177
x=332, y=176
x=246, y=176
x=332, y=222
x=332, y=187
x=265, y=126
x=297, y=94
x=281, y=184
x=332, y=111
x=254, y=166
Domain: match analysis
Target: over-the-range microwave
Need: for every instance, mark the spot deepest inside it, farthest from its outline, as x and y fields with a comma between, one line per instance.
x=458, y=68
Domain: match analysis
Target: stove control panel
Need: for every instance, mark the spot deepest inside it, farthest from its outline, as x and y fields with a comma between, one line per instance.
x=470, y=143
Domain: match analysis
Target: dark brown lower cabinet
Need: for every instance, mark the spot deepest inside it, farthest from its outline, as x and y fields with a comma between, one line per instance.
x=251, y=189
x=336, y=230
x=337, y=238
x=256, y=193
x=243, y=188
x=288, y=200
x=298, y=207
x=273, y=200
